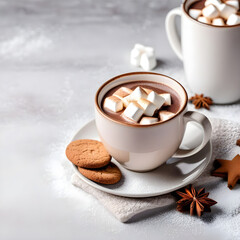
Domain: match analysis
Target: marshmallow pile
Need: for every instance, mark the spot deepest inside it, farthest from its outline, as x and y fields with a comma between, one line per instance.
x=143, y=56
x=140, y=105
x=218, y=13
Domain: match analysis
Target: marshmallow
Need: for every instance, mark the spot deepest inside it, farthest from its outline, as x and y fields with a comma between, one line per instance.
x=156, y=99
x=233, y=3
x=133, y=112
x=136, y=53
x=137, y=94
x=148, y=120
x=218, y=22
x=233, y=19
x=113, y=103
x=216, y=3
x=204, y=20
x=140, y=47
x=167, y=99
x=165, y=115
x=126, y=100
x=147, y=90
x=195, y=13
x=210, y=12
x=135, y=57
x=148, y=60
x=122, y=92
x=226, y=10
x=149, y=107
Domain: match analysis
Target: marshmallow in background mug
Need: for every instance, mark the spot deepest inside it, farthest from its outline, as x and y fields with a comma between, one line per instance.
x=210, y=12
x=156, y=99
x=218, y=22
x=165, y=115
x=113, y=103
x=149, y=107
x=233, y=3
x=195, y=13
x=133, y=112
x=226, y=10
x=148, y=120
x=233, y=19
x=148, y=60
x=216, y=3
x=204, y=20
x=167, y=99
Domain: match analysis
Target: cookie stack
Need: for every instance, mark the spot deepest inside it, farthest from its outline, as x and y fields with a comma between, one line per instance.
x=93, y=161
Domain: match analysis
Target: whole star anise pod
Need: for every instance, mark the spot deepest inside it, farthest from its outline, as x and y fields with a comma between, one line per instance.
x=195, y=201
x=200, y=101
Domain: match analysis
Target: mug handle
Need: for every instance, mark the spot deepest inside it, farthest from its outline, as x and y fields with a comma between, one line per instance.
x=171, y=30
x=207, y=131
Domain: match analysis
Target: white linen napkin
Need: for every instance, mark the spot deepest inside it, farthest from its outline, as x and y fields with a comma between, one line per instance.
x=224, y=136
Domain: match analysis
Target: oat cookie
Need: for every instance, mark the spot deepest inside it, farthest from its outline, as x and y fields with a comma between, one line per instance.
x=109, y=174
x=88, y=153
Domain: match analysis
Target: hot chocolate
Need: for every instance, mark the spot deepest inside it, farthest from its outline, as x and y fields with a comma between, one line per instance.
x=153, y=109
x=216, y=12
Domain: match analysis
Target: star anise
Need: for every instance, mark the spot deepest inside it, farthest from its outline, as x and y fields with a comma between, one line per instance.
x=195, y=201
x=238, y=142
x=200, y=101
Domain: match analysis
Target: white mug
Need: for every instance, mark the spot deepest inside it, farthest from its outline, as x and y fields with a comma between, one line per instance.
x=145, y=147
x=210, y=55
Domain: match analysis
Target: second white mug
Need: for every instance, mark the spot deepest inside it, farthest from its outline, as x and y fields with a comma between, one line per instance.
x=210, y=55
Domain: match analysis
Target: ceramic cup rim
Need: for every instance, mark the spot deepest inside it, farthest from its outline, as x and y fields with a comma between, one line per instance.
x=205, y=24
x=99, y=109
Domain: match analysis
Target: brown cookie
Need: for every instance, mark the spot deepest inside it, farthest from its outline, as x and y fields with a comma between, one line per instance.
x=229, y=169
x=109, y=174
x=87, y=153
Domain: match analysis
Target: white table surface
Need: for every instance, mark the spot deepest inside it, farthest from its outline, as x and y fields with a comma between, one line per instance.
x=53, y=57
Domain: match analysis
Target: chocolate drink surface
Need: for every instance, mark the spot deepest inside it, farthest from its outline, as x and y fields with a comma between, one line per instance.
x=200, y=4
x=154, y=86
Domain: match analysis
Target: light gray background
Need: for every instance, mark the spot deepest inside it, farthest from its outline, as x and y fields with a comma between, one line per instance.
x=53, y=57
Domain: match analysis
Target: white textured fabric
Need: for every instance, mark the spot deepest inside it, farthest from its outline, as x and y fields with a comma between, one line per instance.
x=225, y=134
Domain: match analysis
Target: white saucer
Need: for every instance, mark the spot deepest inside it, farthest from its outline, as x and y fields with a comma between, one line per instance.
x=175, y=174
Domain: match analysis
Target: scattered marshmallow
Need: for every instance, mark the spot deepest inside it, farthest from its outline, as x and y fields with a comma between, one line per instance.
x=149, y=107
x=233, y=3
x=133, y=111
x=143, y=56
x=167, y=99
x=210, y=12
x=233, y=19
x=135, y=56
x=140, y=47
x=148, y=60
x=226, y=10
x=165, y=115
x=204, y=20
x=216, y=3
x=137, y=94
x=195, y=13
x=113, y=103
x=136, y=53
x=148, y=120
x=218, y=22
x=156, y=99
